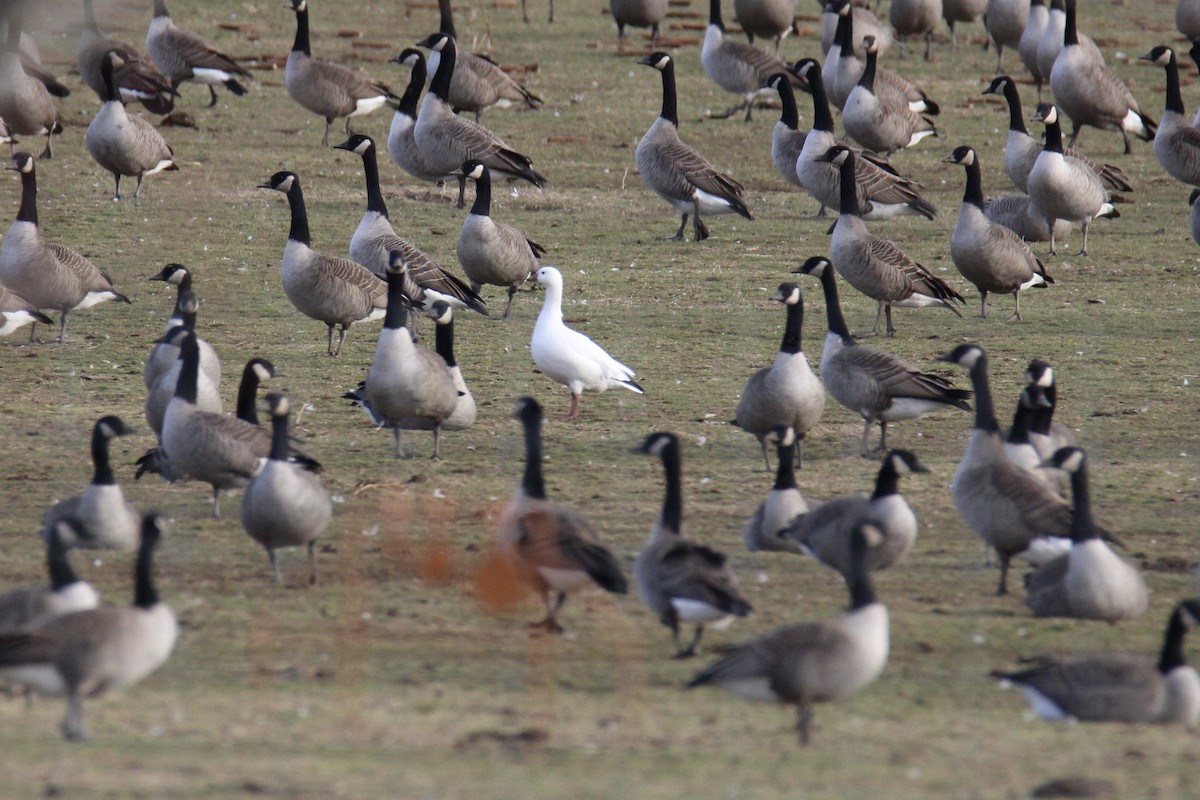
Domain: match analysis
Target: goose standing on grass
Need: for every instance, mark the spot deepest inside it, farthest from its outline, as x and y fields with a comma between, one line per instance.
x=956, y=11
x=138, y=79
x=1021, y=150
x=407, y=387
x=374, y=242
x=25, y=103
x=464, y=409
x=1177, y=143
x=865, y=23
x=1031, y=37
x=989, y=255
x=879, y=386
x=445, y=140
x=493, y=252
x=569, y=357
x=882, y=121
x=1005, y=22
x=882, y=194
x=1116, y=687
x=1090, y=94
x=915, y=18
x=1090, y=581
x=1064, y=187
x=332, y=290
x=736, y=66
x=1051, y=43
x=784, y=502
x=285, y=505
x=844, y=69
x=1018, y=213
x=163, y=356
x=90, y=652
x=401, y=145
x=876, y=266
x=67, y=593
x=638, y=14
x=677, y=172
x=825, y=532
x=1004, y=504
x=787, y=140
x=787, y=392
x=16, y=312
x=813, y=662
x=554, y=549
x=158, y=397
x=678, y=579
x=124, y=144
x=186, y=56
x=766, y=19
x=327, y=89
x=46, y=274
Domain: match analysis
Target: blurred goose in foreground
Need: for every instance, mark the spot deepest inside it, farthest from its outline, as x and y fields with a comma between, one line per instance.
x=32, y=605
x=677, y=172
x=566, y=356
x=813, y=662
x=678, y=579
x=879, y=386
x=1177, y=143
x=766, y=19
x=137, y=78
x=882, y=120
x=736, y=66
x=784, y=503
x=1116, y=687
x=554, y=549
x=90, y=652
x=6, y=137
x=1005, y=22
x=915, y=18
x=26, y=105
x=186, y=56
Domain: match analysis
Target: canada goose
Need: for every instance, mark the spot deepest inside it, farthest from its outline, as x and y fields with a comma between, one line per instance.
x=843, y=71
x=736, y=66
x=374, y=241
x=1187, y=19
x=882, y=193
x=955, y=11
x=401, y=145
x=1051, y=43
x=915, y=18
x=492, y=252
x=105, y=518
x=89, y=652
x=1005, y=22
x=1090, y=94
x=677, y=172
x=1021, y=150
x=284, y=504
x=678, y=579
x=1018, y=446
x=566, y=356
x=16, y=312
x=989, y=255
x=1177, y=143
x=1115, y=687
x=1031, y=37
x=158, y=397
x=478, y=83
x=25, y=103
x=784, y=503
x=787, y=392
x=125, y=144
x=1065, y=188
x=67, y=593
x=1090, y=581
x=1008, y=507
x=882, y=121
x=876, y=266
x=766, y=19
x=47, y=274
x=327, y=89
x=186, y=56
x=256, y=371
x=327, y=288
x=826, y=531
x=138, y=79
x=407, y=387
x=464, y=409
x=812, y=662
x=638, y=14
x=877, y=385
x=31, y=60
x=865, y=23
x=164, y=355
x=553, y=548
x=1047, y=434
x=445, y=140
x=1018, y=213
x=787, y=140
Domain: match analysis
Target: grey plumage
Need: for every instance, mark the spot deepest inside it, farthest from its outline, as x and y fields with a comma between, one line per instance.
x=137, y=78
x=882, y=120
x=464, y=407
x=915, y=18
x=845, y=65
x=766, y=19
x=160, y=392
x=401, y=144
x=1018, y=213
x=28, y=606
x=25, y=103
x=1035, y=27
x=638, y=14
x=1051, y=43
x=186, y=56
x=1005, y=22
x=1177, y=143
x=736, y=66
x=764, y=530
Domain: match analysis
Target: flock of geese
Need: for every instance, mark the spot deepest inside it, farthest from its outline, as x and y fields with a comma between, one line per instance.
x=1023, y=490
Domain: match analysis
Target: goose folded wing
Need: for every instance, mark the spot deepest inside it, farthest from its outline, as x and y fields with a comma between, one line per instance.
x=698, y=172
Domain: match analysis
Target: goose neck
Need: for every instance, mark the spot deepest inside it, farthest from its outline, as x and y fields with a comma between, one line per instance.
x=160, y=9
x=189, y=354
x=1042, y=417
x=974, y=190
x=444, y=342
x=887, y=482
x=1174, y=96
x=822, y=116
x=833, y=307
x=849, y=187
x=246, y=397
x=483, y=195
x=59, y=566
x=1070, y=35
x=1083, y=526
x=89, y=18
x=552, y=305
x=111, y=93
x=669, y=112
x=1021, y=423
x=412, y=92
x=299, y=229
x=145, y=595
x=1053, y=137
x=843, y=34
x=396, y=316
x=985, y=411
x=103, y=474
x=792, y=329
x=279, y=437
x=28, y=211
x=867, y=81
x=533, y=484
x=1172, y=655
x=1016, y=121
x=301, y=44
x=714, y=15
x=785, y=473
x=790, y=115
x=440, y=86
x=672, y=510
x=375, y=200
x=862, y=592
x=446, y=19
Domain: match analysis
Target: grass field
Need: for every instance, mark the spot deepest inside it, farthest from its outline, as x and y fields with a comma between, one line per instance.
x=390, y=679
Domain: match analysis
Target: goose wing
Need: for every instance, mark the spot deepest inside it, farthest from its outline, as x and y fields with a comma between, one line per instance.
x=558, y=537
x=198, y=53
x=698, y=172
x=692, y=571
x=898, y=378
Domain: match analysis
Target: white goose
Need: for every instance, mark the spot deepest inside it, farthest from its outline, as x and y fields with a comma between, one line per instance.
x=568, y=356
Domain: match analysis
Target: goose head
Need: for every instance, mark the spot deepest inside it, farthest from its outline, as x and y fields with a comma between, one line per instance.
x=440, y=312
x=835, y=155
x=282, y=182
x=299, y=6
x=998, y=85
x=22, y=163
x=788, y=293
x=262, y=369
x=781, y=436
x=528, y=410
x=277, y=404
x=804, y=68
x=658, y=444
x=173, y=337
x=963, y=156
x=1047, y=113
x=1068, y=459
x=1161, y=55
x=1039, y=373
x=905, y=461
x=814, y=266
x=174, y=274
x=397, y=263
x=549, y=277
x=776, y=81
x=473, y=169
x=1034, y=397
x=111, y=427
x=435, y=41
x=965, y=355
x=409, y=57
x=870, y=45
x=358, y=143
x=659, y=60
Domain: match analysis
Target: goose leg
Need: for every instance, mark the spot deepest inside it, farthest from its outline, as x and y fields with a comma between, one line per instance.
x=983, y=303
x=462, y=190
x=274, y=566
x=878, y=317
x=62, y=328
x=1084, y=252
x=882, y=437
x=524, y=12
x=1017, y=299
x=550, y=623
x=72, y=726
x=437, y=443
x=1075, y=135
x=803, y=720
x=329, y=339
x=1002, y=589
x=137, y=193
x=1125, y=136
x=1053, y=245
x=396, y=438
x=887, y=311
x=512, y=292
x=678, y=237
x=573, y=412
x=691, y=648
x=48, y=153
x=117, y=190
x=762, y=442
x=749, y=106
x=328, y=125
x=868, y=423
x=551, y=10
x=313, y=578
x=341, y=338
x=929, y=43
x=698, y=225
x=213, y=95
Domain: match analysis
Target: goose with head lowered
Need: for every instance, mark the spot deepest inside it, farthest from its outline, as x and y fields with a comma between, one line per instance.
x=566, y=356
x=882, y=120
x=736, y=66
x=137, y=78
x=1004, y=504
x=638, y=14
x=492, y=252
x=445, y=140
x=47, y=274
x=31, y=605
x=784, y=502
x=787, y=392
x=879, y=386
x=327, y=89
x=26, y=104
x=89, y=652
x=874, y=265
x=333, y=290
x=1177, y=143
x=992, y=257
x=677, y=172
x=401, y=145
x=813, y=662
x=1119, y=687
x=678, y=579
x=186, y=56
x=553, y=548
